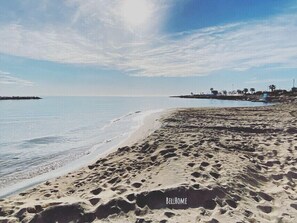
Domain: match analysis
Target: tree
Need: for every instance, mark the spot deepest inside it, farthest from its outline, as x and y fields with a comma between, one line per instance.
x=224, y=92
x=245, y=90
x=252, y=90
x=272, y=87
x=211, y=89
x=239, y=91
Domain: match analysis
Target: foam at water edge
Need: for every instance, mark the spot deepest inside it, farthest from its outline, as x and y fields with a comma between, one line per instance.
x=91, y=155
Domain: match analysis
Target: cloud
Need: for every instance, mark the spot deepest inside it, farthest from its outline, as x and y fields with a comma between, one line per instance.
x=234, y=47
x=6, y=78
x=96, y=35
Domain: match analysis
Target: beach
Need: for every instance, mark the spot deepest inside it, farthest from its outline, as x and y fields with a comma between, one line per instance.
x=184, y=165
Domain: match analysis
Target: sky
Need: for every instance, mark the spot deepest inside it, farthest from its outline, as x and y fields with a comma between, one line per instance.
x=145, y=47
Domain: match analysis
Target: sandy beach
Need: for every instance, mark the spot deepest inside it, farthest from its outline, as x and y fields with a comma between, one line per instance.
x=187, y=165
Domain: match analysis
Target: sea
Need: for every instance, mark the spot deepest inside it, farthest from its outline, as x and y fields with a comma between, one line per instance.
x=42, y=139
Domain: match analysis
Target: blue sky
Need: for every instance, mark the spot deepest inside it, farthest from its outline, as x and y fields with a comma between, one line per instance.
x=145, y=47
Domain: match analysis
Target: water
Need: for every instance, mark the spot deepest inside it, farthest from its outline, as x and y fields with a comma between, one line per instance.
x=40, y=139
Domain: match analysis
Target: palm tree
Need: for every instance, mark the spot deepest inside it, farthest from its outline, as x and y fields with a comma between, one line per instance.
x=211, y=89
x=239, y=91
x=272, y=87
x=245, y=90
x=252, y=90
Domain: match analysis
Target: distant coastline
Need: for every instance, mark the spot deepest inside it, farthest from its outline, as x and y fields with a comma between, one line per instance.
x=222, y=97
x=272, y=98
x=20, y=98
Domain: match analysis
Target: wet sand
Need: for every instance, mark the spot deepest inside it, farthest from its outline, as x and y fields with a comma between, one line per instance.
x=199, y=165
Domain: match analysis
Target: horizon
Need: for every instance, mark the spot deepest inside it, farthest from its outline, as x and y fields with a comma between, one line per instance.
x=145, y=47
x=229, y=91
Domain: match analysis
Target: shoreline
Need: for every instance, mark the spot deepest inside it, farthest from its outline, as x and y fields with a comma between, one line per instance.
x=224, y=164
x=149, y=124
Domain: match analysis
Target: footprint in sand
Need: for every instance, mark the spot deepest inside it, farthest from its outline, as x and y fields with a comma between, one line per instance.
x=96, y=191
x=137, y=185
x=294, y=206
x=191, y=164
x=131, y=197
x=215, y=175
x=204, y=164
x=94, y=201
x=169, y=214
x=217, y=166
x=35, y=209
x=196, y=186
x=47, y=195
x=209, y=155
x=265, y=209
x=231, y=203
x=213, y=220
x=196, y=174
x=265, y=196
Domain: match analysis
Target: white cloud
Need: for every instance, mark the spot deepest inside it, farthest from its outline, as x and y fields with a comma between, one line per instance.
x=97, y=35
x=6, y=78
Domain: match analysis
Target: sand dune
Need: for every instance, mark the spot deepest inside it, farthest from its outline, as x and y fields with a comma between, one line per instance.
x=200, y=165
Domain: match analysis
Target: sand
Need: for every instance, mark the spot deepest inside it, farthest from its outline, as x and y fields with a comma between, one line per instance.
x=195, y=165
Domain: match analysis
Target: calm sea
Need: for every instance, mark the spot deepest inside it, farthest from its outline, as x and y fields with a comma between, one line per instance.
x=41, y=139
